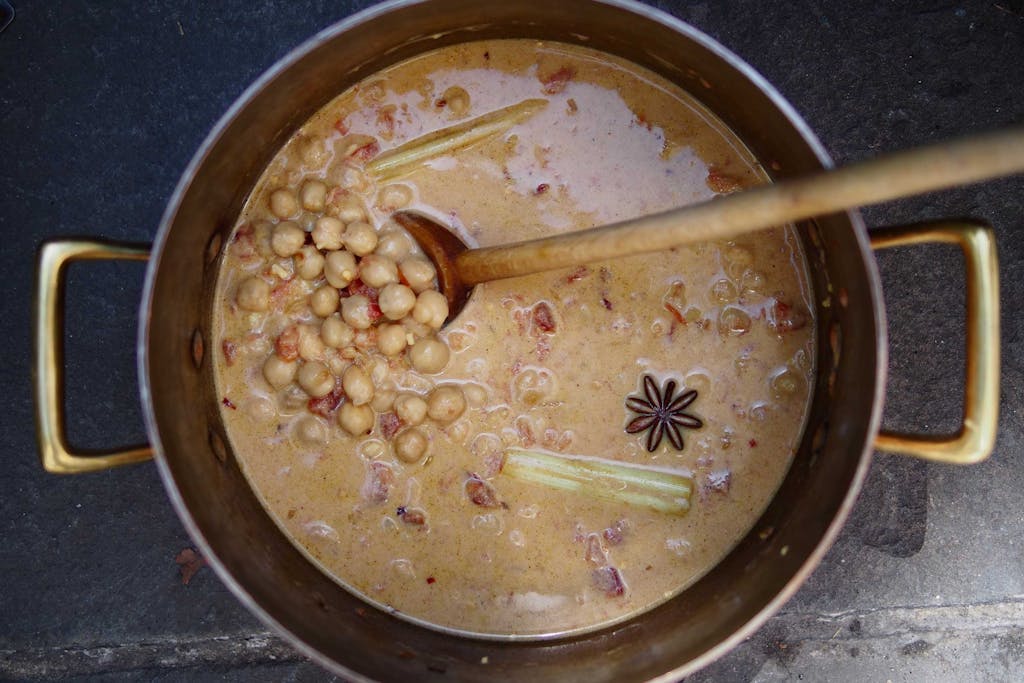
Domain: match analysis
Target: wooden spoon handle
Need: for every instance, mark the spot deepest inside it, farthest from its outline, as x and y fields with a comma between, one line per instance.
x=859, y=184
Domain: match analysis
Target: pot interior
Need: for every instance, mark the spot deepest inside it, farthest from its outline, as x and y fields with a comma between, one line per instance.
x=276, y=581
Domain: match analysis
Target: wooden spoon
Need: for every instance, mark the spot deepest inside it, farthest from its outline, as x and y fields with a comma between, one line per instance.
x=901, y=174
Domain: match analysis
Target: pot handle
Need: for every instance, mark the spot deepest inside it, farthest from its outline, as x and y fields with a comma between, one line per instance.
x=48, y=366
x=977, y=435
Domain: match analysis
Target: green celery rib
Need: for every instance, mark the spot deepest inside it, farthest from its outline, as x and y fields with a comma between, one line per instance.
x=658, y=489
x=401, y=159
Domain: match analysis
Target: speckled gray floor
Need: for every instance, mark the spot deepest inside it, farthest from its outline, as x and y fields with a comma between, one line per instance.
x=102, y=106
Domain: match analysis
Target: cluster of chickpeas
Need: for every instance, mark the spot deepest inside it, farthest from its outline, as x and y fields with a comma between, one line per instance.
x=370, y=294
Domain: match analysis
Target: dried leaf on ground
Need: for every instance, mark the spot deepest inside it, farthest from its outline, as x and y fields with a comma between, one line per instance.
x=189, y=562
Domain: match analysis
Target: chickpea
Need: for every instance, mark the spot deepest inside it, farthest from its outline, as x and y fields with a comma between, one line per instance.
x=357, y=385
x=391, y=339
x=475, y=394
x=283, y=203
x=253, y=294
x=335, y=333
x=313, y=151
x=431, y=308
x=429, y=355
x=410, y=445
x=457, y=100
x=393, y=197
x=355, y=310
x=446, y=403
x=360, y=238
x=786, y=383
x=416, y=329
x=292, y=399
x=315, y=379
x=418, y=272
x=411, y=409
x=309, y=431
x=754, y=281
x=261, y=232
x=311, y=347
x=723, y=291
x=309, y=262
x=351, y=211
x=336, y=363
x=378, y=370
x=259, y=409
x=327, y=233
x=733, y=321
x=313, y=195
x=738, y=256
x=356, y=420
x=340, y=268
x=383, y=399
x=366, y=340
x=394, y=244
x=396, y=301
x=287, y=239
x=324, y=301
x=377, y=271
x=353, y=179
x=279, y=373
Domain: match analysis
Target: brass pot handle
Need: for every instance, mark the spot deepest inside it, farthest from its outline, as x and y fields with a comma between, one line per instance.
x=48, y=367
x=977, y=435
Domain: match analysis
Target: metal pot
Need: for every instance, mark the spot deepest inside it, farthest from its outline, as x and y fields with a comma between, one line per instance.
x=274, y=580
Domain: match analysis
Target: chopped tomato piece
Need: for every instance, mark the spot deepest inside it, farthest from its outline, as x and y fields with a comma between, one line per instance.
x=327, y=406
x=525, y=432
x=366, y=152
x=722, y=183
x=386, y=121
x=555, y=83
x=357, y=286
x=413, y=516
x=378, y=483
x=230, y=350
x=609, y=581
x=718, y=481
x=480, y=492
x=785, y=318
x=287, y=344
x=389, y=423
x=577, y=275
x=543, y=349
x=543, y=318
x=243, y=244
x=613, y=534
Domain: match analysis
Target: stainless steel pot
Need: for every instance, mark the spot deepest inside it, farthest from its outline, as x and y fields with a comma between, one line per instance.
x=328, y=623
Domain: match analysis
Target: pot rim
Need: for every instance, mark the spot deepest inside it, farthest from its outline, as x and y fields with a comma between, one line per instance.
x=353, y=22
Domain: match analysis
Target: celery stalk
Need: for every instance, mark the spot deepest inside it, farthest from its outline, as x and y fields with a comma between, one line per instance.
x=663, y=490
x=400, y=160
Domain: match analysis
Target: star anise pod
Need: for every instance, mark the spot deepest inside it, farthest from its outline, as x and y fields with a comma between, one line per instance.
x=661, y=413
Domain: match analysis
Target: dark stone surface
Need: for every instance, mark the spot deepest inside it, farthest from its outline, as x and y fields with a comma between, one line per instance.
x=101, y=108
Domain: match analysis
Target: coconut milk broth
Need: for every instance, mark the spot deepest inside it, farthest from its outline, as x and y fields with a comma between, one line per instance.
x=731, y=320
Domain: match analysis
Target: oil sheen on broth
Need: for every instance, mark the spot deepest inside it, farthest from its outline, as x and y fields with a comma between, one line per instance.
x=375, y=437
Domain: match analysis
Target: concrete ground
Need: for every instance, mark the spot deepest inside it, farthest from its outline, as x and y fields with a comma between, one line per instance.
x=101, y=108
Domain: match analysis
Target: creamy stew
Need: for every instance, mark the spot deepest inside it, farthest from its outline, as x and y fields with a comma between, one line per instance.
x=518, y=471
